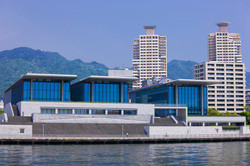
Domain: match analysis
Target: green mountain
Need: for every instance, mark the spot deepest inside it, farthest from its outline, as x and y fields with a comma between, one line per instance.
x=23, y=60
x=180, y=69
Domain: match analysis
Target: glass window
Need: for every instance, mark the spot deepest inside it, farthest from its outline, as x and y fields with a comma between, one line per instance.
x=115, y=112
x=130, y=112
x=64, y=111
x=98, y=111
x=81, y=111
x=48, y=111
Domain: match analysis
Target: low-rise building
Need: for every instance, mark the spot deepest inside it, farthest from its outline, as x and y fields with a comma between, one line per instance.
x=96, y=99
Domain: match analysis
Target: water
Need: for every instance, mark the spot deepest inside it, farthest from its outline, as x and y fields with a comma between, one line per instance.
x=227, y=153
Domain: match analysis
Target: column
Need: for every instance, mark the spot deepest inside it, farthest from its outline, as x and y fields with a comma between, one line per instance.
x=203, y=124
x=202, y=107
x=229, y=123
x=56, y=111
x=90, y=111
x=31, y=89
x=121, y=94
x=92, y=92
x=190, y=123
x=216, y=124
x=106, y=112
x=122, y=112
x=62, y=90
x=73, y=111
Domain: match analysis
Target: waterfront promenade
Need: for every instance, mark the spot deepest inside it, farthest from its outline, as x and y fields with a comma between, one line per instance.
x=119, y=140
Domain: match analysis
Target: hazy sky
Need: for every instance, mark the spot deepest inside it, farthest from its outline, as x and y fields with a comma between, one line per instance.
x=104, y=30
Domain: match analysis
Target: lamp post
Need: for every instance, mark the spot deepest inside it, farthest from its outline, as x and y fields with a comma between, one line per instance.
x=122, y=130
x=43, y=130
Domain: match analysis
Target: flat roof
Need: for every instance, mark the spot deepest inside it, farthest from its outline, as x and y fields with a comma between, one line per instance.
x=108, y=78
x=65, y=77
x=179, y=82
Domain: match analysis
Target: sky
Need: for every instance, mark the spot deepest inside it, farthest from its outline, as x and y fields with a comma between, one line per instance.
x=104, y=30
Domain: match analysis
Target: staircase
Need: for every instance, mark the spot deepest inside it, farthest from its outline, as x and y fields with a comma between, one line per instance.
x=165, y=122
x=15, y=110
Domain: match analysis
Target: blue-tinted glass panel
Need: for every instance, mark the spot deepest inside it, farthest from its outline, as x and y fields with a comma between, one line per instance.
x=47, y=91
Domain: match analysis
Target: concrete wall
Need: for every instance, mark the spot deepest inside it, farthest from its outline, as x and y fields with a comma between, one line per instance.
x=69, y=118
x=163, y=131
x=8, y=109
x=27, y=108
x=3, y=117
x=7, y=97
x=220, y=119
x=15, y=130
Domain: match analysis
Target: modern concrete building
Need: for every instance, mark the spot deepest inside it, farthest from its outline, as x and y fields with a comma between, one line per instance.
x=50, y=98
x=229, y=94
x=173, y=94
x=149, y=56
x=224, y=54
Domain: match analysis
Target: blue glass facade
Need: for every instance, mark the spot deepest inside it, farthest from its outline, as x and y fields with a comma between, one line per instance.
x=40, y=91
x=193, y=97
x=100, y=92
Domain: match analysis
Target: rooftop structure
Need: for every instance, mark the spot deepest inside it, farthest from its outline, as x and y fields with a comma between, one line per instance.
x=223, y=26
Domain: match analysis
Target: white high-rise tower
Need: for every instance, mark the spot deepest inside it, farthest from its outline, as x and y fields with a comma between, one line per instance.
x=225, y=66
x=149, y=56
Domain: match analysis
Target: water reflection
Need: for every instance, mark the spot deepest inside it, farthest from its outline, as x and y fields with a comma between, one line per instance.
x=230, y=153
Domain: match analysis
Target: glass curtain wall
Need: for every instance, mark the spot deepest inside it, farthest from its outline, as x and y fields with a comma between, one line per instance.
x=107, y=93
x=47, y=91
x=190, y=96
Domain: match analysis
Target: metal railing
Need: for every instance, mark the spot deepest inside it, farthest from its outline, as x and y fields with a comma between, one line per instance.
x=124, y=136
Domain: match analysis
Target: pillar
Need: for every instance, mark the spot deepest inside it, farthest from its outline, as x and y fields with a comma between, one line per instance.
x=90, y=111
x=56, y=111
x=190, y=124
x=62, y=90
x=106, y=112
x=216, y=123
x=203, y=124
x=202, y=107
x=92, y=92
x=31, y=89
x=73, y=111
x=122, y=112
x=121, y=94
x=229, y=123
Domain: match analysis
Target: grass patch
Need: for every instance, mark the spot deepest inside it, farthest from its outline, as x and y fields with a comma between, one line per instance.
x=230, y=127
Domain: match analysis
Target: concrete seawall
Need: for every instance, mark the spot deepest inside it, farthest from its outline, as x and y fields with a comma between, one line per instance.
x=116, y=140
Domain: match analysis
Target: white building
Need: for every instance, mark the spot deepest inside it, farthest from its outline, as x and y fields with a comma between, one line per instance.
x=120, y=73
x=229, y=94
x=1, y=104
x=224, y=46
x=224, y=54
x=248, y=98
x=149, y=56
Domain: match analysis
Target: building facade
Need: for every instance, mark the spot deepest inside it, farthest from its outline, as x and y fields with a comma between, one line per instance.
x=40, y=87
x=104, y=89
x=224, y=46
x=248, y=98
x=225, y=65
x=183, y=92
x=229, y=94
x=51, y=98
x=149, y=56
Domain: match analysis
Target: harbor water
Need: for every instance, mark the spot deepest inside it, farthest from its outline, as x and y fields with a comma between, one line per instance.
x=222, y=153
